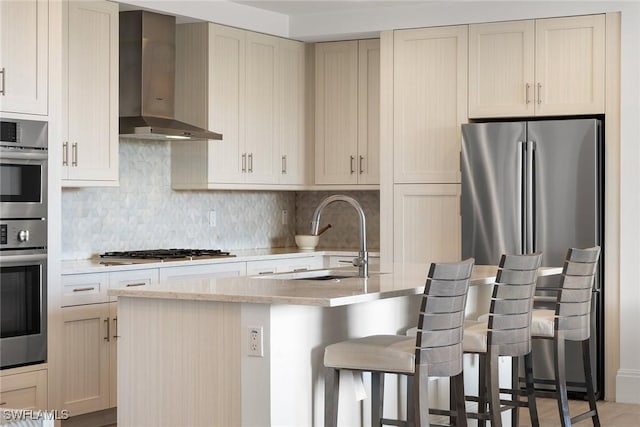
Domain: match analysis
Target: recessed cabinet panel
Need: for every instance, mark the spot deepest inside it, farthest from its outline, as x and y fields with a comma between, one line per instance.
x=24, y=35
x=501, y=64
x=426, y=223
x=369, y=111
x=90, y=147
x=430, y=103
x=570, y=62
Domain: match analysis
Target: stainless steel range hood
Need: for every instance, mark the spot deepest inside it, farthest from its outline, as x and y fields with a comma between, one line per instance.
x=147, y=79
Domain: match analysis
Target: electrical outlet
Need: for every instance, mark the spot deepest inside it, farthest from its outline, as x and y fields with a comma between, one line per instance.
x=255, y=341
x=213, y=220
x=285, y=217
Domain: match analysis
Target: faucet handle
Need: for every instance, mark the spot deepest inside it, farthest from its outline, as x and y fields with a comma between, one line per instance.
x=358, y=261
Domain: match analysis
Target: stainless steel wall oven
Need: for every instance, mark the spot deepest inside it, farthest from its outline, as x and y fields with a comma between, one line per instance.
x=23, y=242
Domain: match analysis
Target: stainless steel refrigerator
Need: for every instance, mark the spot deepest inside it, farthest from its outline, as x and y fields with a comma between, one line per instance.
x=537, y=186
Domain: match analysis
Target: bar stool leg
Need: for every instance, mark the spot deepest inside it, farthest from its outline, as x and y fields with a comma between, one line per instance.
x=377, y=397
x=586, y=359
x=421, y=397
x=411, y=412
x=482, y=389
x=515, y=385
x=531, y=393
x=493, y=389
x=331, y=390
x=561, y=382
x=457, y=385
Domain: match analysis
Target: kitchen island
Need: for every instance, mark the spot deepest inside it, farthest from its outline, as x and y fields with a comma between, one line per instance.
x=248, y=351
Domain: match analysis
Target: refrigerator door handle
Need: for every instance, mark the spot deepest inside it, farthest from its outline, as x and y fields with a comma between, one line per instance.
x=530, y=198
x=519, y=200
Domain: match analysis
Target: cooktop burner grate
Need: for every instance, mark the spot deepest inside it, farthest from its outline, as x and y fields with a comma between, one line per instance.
x=163, y=254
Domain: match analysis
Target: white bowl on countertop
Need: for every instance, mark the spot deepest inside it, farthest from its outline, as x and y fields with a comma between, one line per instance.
x=306, y=242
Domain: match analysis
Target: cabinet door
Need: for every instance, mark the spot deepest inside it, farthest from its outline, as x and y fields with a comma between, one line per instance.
x=501, y=66
x=262, y=147
x=430, y=103
x=24, y=33
x=226, y=104
x=283, y=265
x=86, y=336
x=369, y=111
x=92, y=89
x=336, y=141
x=291, y=112
x=26, y=390
x=206, y=271
x=426, y=223
x=113, y=354
x=570, y=62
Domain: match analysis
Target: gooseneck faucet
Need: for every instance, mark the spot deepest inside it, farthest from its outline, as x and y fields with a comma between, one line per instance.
x=362, y=261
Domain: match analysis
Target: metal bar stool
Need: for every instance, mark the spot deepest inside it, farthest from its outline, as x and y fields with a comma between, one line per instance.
x=505, y=331
x=570, y=321
x=436, y=351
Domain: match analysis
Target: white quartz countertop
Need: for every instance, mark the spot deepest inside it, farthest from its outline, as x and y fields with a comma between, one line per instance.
x=388, y=282
x=96, y=265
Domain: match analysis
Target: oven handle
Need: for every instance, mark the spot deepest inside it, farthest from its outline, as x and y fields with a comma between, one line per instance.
x=23, y=258
x=16, y=155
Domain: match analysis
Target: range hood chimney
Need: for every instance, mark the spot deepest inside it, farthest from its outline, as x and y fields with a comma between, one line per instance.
x=147, y=79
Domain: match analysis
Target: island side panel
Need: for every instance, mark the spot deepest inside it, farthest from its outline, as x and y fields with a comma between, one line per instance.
x=178, y=363
x=298, y=336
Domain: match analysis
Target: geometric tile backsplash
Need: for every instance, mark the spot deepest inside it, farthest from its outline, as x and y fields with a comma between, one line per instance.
x=145, y=213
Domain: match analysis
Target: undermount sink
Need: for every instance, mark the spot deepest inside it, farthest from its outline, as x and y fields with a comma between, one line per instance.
x=324, y=274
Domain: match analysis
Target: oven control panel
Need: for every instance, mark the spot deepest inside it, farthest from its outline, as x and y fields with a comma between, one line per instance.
x=23, y=234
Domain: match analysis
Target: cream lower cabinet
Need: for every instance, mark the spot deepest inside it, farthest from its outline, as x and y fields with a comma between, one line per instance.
x=24, y=35
x=89, y=334
x=429, y=103
x=540, y=67
x=427, y=225
x=90, y=144
x=283, y=265
x=25, y=390
x=347, y=89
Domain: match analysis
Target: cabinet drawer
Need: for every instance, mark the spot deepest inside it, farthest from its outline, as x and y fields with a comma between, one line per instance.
x=81, y=289
x=132, y=279
x=24, y=391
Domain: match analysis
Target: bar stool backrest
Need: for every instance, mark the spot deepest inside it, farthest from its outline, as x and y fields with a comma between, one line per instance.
x=573, y=307
x=441, y=320
x=511, y=303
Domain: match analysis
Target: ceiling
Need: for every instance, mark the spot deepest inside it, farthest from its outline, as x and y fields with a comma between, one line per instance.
x=312, y=7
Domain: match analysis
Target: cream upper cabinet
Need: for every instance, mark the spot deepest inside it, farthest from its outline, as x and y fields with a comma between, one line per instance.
x=501, y=69
x=336, y=141
x=291, y=112
x=347, y=115
x=430, y=103
x=244, y=93
x=24, y=33
x=261, y=147
x=570, y=63
x=369, y=111
x=90, y=148
x=426, y=223
x=538, y=67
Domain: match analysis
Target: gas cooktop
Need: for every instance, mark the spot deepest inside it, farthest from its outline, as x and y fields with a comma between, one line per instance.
x=165, y=255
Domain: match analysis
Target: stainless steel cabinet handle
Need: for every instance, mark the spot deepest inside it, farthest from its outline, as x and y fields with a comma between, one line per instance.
x=244, y=162
x=351, y=164
x=361, y=165
x=65, y=153
x=74, y=154
x=250, y=162
x=83, y=289
x=266, y=272
x=539, y=93
x=108, y=336
x=295, y=270
x=115, y=328
x=128, y=285
x=3, y=91
x=3, y=403
x=284, y=164
x=526, y=96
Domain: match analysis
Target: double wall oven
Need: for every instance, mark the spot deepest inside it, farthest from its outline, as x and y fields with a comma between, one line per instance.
x=23, y=242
